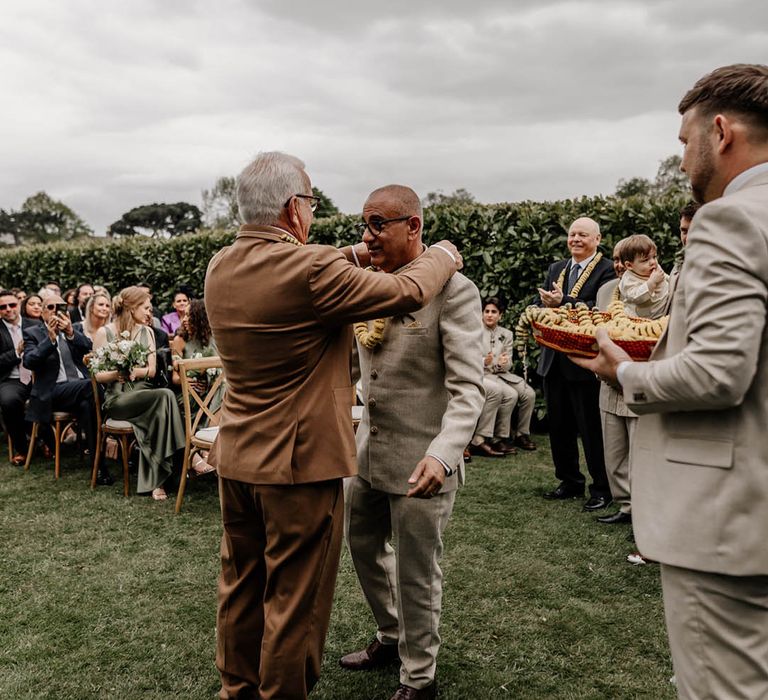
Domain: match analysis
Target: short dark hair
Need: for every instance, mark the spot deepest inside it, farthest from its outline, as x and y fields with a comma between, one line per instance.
x=496, y=301
x=689, y=209
x=631, y=247
x=6, y=293
x=741, y=88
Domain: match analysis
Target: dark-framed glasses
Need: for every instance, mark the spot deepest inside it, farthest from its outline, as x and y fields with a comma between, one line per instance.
x=313, y=200
x=12, y=305
x=376, y=225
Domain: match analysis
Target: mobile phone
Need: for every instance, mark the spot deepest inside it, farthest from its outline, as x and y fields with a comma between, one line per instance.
x=61, y=309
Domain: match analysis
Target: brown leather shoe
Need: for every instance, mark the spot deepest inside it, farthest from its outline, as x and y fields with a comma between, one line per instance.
x=504, y=446
x=524, y=442
x=375, y=655
x=467, y=457
x=405, y=692
x=484, y=450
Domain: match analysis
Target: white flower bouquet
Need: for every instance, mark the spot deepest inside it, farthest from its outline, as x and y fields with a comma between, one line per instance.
x=122, y=355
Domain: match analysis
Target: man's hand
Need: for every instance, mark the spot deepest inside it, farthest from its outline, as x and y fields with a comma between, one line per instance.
x=551, y=299
x=363, y=254
x=53, y=328
x=20, y=348
x=427, y=479
x=503, y=359
x=65, y=324
x=607, y=360
x=488, y=359
x=453, y=250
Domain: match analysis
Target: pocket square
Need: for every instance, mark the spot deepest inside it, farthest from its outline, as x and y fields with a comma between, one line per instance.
x=414, y=324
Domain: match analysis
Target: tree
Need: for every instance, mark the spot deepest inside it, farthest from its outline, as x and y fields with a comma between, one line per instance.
x=325, y=207
x=670, y=179
x=459, y=196
x=220, y=204
x=160, y=220
x=634, y=186
x=42, y=219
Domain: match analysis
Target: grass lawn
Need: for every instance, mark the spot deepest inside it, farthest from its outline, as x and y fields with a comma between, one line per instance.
x=107, y=597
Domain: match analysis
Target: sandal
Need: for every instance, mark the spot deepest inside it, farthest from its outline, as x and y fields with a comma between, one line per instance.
x=159, y=494
x=199, y=466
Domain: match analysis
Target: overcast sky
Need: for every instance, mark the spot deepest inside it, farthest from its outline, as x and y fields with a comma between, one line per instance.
x=109, y=105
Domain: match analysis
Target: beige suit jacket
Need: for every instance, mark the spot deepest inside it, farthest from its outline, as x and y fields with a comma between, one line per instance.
x=700, y=454
x=504, y=344
x=280, y=316
x=422, y=389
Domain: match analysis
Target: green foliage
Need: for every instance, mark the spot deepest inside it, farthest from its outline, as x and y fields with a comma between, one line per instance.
x=159, y=220
x=459, y=196
x=220, y=204
x=633, y=187
x=164, y=264
x=506, y=247
x=325, y=206
x=41, y=219
x=670, y=181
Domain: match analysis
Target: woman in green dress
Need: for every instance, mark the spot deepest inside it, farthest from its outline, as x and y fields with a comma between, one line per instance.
x=152, y=412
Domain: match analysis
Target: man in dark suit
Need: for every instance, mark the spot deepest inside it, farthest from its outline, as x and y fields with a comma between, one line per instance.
x=15, y=379
x=572, y=393
x=54, y=352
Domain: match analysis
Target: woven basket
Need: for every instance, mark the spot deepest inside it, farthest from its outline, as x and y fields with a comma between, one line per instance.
x=583, y=345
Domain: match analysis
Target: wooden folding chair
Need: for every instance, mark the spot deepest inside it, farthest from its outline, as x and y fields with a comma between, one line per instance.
x=198, y=411
x=59, y=420
x=120, y=429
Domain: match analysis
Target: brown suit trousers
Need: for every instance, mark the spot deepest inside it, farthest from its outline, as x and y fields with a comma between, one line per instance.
x=286, y=574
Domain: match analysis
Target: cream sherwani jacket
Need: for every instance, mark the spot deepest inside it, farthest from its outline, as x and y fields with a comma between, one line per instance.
x=700, y=453
x=422, y=389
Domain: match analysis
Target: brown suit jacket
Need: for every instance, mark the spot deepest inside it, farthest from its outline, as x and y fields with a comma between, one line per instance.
x=699, y=456
x=280, y=316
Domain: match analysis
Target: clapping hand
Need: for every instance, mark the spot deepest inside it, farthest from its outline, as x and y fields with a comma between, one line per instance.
x=551, y=299
x=488, y=359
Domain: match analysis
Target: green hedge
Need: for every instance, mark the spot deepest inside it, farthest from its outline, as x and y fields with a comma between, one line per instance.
x=506, y=247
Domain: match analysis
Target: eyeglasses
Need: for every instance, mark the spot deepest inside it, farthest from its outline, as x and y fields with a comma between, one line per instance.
x=313, y=200
x=12, y=305
x=376, y=225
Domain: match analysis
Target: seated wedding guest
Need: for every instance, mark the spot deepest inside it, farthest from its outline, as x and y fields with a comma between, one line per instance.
x=644, y=286
x=54, y=352
x=153, y=412
x=194, y=339
x=54, y=287
x=15, y=379
x=172, y=321
x=21, y=295
x=32, y=308
x=45, y=292
x=503, y=391
x=97, y=312
x=157, y=314
x=77, y=309
x=69, y=299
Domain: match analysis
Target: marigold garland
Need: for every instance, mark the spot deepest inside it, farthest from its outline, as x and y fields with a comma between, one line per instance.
x=370, y=338
x=583, y=277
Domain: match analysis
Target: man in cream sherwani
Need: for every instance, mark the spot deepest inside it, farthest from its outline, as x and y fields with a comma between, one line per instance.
x=700, y=455
x=423, y=392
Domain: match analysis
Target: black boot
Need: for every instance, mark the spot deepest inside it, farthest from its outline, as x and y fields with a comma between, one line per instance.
x=104, y=478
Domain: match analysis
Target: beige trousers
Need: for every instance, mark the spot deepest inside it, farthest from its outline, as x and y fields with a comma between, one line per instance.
x=617, y=435
x=718, y=633
x=396, y=544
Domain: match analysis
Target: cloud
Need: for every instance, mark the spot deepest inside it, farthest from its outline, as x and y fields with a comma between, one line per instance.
x=113, y=106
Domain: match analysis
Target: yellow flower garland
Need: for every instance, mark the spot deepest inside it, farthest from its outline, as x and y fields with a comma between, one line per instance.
x=583, y=277
x=370, y=338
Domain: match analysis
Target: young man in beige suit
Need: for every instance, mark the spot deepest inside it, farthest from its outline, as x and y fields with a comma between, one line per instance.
x=423, y=392
x=699, y=456
x=280, y=312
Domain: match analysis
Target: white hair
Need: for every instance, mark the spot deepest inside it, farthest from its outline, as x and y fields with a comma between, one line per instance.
x=266, y=184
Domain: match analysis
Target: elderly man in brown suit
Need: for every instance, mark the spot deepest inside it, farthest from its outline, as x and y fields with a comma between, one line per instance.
x=422, y=379
x=280, y=312
x=699, y=456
